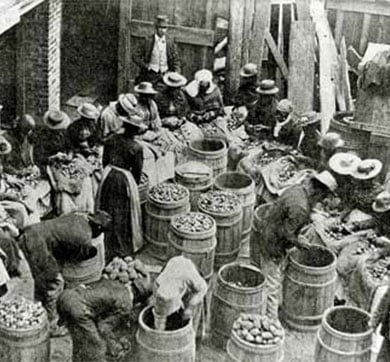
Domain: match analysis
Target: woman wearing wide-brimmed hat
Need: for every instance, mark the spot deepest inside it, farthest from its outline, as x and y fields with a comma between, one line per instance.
x=118, y=191
x=50, y=139
x=246, y=94
x=262, y=118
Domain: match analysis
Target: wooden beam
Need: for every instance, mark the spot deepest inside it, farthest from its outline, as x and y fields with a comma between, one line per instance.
x=367, y=7
x=303, y=9
x=26, y=5
x=182, y=34
x=247, y=29
x=124, y=46
x=344, y=76
x=338, y=29
x=301, y=77
x=353, y=57
x=260, y=25
x=208, y=25
x=275, y=52
x=328, y=62
x=234, y=54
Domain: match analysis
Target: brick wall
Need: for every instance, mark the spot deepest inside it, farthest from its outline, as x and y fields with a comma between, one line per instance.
x=38, y=59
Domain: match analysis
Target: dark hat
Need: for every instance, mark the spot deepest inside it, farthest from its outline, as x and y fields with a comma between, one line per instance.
x=145, y=88
x=174, y=80
x=267, y=86
x=248, y=70
x=56, y=119
x=161, y=21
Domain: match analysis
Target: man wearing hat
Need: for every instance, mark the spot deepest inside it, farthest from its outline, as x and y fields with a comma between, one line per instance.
x=171, y=101
x=262, y=118
x=48, y=244
x=82, y=135
x=157, y=54
x=50, y=139
x=282, y=224
x=111, y=118
x=246, y=94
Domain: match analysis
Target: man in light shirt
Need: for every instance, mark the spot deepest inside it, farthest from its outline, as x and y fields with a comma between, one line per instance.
x=157, y=55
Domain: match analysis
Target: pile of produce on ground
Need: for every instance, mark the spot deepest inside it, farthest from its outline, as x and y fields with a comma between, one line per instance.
x=258, y=329
x=168, y=192
x=330, y=205
x=337, y=230
x=368, y=246
x=219, y=202
x=125, y=270
x=21, y=313
x=193, y=222
x=380, y=269
x=287, y=172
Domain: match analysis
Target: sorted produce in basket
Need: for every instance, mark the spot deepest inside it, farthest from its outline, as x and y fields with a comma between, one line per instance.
x=20, y=313
x=168, y=192
x=381, y=269
x=258, y=329
x=193, y=222
x=219, y=201
x=337, y=230
x=125, y=270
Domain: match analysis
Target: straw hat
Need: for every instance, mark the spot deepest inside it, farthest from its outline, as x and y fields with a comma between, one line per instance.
x=382, y=202
x=248, y=70
x=326, y=178
x=203, y=75
x=89, y=111
x=344, y=163
x=174, y=80
x=285, y=106
x=145, y=88
x=367, y=169
x=331, y=141
x=267, y=86
x=5, y=146
x=128, y=101
x=54, y=119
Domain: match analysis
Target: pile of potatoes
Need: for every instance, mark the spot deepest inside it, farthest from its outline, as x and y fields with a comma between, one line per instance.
x=125, y=270
x=258, y=329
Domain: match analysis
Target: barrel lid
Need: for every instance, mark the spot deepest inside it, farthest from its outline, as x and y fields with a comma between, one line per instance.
x=194, y=170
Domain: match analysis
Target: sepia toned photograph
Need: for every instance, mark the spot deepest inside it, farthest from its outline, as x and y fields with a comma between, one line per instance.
x=194, y=180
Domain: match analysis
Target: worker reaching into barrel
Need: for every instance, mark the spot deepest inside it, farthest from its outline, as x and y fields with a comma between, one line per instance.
x=282, y=224
x=178, y=288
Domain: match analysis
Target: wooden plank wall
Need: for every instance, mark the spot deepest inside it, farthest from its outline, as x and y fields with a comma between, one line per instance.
x=359, y=22
x=200, y=14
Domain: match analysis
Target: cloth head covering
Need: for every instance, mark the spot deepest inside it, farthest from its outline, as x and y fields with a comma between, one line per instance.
x=285, y=106
x=382, y=202
x=203, y=75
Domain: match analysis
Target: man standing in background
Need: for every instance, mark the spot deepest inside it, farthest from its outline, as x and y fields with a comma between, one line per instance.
x=157, y=55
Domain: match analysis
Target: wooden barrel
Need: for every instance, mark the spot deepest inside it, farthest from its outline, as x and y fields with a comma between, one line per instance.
x=87, y=271
x=308, y=287
x=256, y=236
x=197, y=177
x=25, y=345
x=356, y=140
x=239, y=350
x=158, y=217
x=239, y=289
x=176, y=345
x=244, y=187
x=212, y=152
x=228, y=234
x=199, y=246
x=344, y=336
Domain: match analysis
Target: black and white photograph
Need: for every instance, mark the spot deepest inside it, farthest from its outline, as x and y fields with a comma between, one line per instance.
x=194, y=180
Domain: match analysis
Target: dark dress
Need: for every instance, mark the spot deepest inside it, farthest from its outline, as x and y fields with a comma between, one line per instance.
x=124, y=153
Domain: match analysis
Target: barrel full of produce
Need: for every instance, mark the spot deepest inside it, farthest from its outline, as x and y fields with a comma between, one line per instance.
x=192, y=235
x=256, y=338
x=197, y=177
x=174, y=344
x=164, y=201
x=308, y=287
x=239, y=289
x=211, y=152
x=344, y=336
x=226, y=209
x=244, y=187
x=24, y=331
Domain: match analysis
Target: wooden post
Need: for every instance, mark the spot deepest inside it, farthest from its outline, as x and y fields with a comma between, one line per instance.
x=260, y=25
x=208, y=25
x=247, y=30
x=303, y=9
x=301, y=66
x=339, y=26
x=124, y=47
x=344, y=76
x=234, y=55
